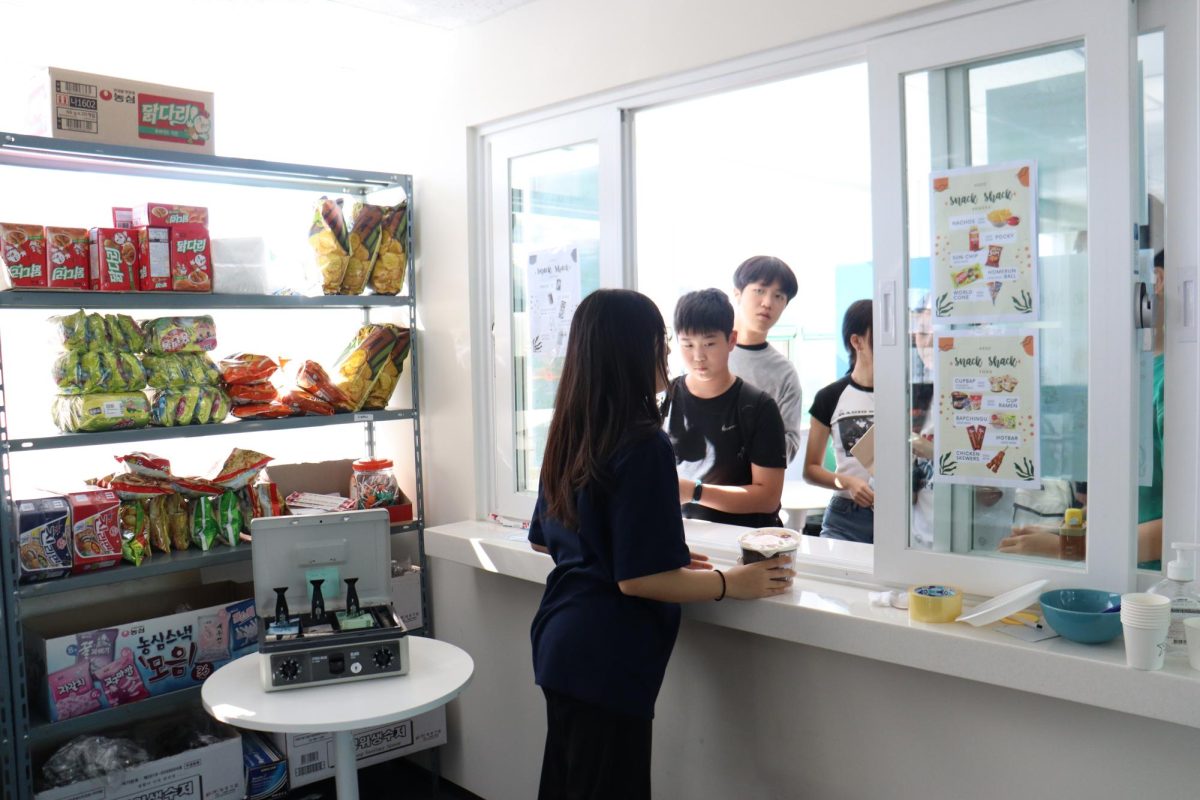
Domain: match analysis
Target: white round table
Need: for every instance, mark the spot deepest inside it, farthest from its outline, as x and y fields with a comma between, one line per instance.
x=438, y=672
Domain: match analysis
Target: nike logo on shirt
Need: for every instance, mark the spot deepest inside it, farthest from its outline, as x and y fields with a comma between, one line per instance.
x=728, y=427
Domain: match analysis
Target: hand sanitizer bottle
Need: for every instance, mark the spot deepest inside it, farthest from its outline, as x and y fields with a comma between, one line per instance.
x=1180, y=587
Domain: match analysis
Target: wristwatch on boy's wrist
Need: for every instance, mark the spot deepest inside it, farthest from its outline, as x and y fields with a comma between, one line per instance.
x=697, y=492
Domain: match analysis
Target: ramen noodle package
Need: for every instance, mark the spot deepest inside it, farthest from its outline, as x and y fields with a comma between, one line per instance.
x=67, y=265
x=229, y=519
x=191, y=259
x=72, y=693
x=331, y=242
x=95, y=530
x=23, y=251
x=204, y=523
x=43, y=538
x=388, y=275
x=364, y=247
x=381, y=392
x=97, y=648
x=90, y=413
x=113, y=255
x=121, y=681
x=312, y=378
x=247, y=368
x=91, y=372
x=180, y=335
x=361, y=363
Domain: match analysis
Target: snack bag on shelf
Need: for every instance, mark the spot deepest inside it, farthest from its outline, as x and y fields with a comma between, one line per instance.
x=364, y=247
x=191, y=405
x=194, y=487
x=67, y=265
x=90, y=413
x=312, y=378
x=23, y=252
x=220, y=407
x=178, y=515
x=243, y=394
x=304, y=403
x=274, y=410
x=388, y=275
x=177, y=370
x=191, y=259
x=240, y=468
x=92, y=372
x=362, y=361
x=95, y=529
x=229, y=518
x=247, y=368
x=382, y=391
x=263, y=500
x=204, y=523
x=123, y=333
x=180, y=334
x=146, y=464
x=135, y=535
x=331, y=241
x=130, y=486
x=113, y=255
x=158, y=523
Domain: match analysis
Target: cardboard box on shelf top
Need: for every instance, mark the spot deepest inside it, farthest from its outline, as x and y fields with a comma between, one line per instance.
x=329, y=478
x=101, y=109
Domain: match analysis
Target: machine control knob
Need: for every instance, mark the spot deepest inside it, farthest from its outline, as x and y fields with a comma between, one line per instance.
x=289, y=669
x=355, y=668
x=383, y=658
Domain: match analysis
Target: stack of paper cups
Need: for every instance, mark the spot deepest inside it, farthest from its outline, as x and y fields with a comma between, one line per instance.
x=1145, y=619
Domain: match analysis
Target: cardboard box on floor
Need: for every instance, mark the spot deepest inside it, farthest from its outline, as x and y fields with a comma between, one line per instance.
x=328, y=477
x=310, y=756
x=213, y=772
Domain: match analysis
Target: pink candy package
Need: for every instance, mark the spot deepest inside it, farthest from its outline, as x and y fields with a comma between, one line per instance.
x=121, y=681
x=72, y=692
x=96, y=647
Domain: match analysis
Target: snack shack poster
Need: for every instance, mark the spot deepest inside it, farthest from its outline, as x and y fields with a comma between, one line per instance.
x=988, y=395
x=985, y=243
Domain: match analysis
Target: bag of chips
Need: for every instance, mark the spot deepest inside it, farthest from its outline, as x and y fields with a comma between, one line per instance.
x=221, y=406
x=177, y=370
x=90, y=372
x=195, y=487
x=245, y=393
x=204, y=528
x=364, y=247
x=331, y=242
x=191, y=405
x=180, y=334
x=240, y=468
x=158, y=528
x=385, y=385
x=362, y=361
x=135, y=541
x=229, y=518
x=151, y=466
x=263, y=500
x=312, y=378
x=263, y=411
x=130, y=486
x=178, y=517
x=90, y=413
x=98, y=332
x=304, y=403
x=243, y=368
x=388, y=275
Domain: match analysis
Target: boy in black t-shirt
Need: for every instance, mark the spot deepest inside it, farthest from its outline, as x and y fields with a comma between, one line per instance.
x=730, y=447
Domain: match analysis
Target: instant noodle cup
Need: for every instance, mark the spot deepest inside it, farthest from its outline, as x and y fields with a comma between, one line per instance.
x=23, y=252
x=67, y=265
x=96, y=530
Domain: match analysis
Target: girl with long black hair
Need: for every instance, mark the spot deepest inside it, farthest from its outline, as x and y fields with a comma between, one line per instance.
x=608, y=513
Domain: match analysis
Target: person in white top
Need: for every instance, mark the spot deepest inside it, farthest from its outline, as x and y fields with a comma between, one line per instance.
x=763, y=286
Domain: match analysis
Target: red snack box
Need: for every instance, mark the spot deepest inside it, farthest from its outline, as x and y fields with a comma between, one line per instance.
x=122, y=217
x=95, y=530
x=154, y=259
x=114, y=256
x=191, y=258
x=67, y=258
x=23, y=252
x=169, y=214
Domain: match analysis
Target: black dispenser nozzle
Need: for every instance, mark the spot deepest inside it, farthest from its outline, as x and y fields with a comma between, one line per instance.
x=318, y=601
x=352, y=607
x=281, y=606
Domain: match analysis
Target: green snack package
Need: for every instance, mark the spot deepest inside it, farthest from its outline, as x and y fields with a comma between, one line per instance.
x=101, y=412
x=135, y=546
x=221, y=406
x=204, y=528
x=204, y=405
x=123, y=326
x=229, y=518
x=97, y=333
x=72, y=330
x=158, y=523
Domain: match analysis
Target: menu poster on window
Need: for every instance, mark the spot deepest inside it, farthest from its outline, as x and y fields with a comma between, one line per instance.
x=553, y=289
x=984, y=249
x=988, y=396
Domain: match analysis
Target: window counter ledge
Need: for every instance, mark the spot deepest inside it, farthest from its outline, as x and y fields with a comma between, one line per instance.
x=838, y=616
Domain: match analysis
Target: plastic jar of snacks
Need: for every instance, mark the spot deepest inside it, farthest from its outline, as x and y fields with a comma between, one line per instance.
x=374, y=483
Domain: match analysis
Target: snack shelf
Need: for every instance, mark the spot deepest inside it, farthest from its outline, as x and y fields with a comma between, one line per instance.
x=17, y=444
x=158, y=564
x=43, y=731
x=20, y=150
x=190, y=301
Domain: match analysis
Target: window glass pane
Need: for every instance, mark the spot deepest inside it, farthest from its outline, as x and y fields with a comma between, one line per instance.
x=555, y=202
x=755, y=171
x=1028, y=107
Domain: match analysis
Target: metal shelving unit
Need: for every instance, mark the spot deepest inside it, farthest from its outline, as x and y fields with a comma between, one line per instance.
x=21, y=728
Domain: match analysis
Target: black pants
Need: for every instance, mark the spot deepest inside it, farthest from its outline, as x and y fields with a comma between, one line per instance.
x=592, y=753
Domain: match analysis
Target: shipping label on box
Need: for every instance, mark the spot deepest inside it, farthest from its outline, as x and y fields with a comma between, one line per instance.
x=113, y=255
x=311, y=755
x=154, y=259
x=23, y=252
x=67, y=265
x=191, y=258
x=99, y=108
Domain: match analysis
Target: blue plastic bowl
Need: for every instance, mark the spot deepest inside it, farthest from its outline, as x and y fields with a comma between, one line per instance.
x=1078, y=614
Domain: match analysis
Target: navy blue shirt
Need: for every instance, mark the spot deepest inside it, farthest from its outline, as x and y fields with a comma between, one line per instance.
x=590, y=641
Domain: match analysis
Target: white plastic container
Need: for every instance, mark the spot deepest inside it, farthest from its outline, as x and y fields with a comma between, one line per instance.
x=1180, y=588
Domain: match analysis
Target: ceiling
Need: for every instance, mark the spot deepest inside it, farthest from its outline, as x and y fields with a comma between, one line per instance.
x=438, y=13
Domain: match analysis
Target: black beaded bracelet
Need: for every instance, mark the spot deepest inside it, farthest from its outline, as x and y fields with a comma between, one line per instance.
x=722, y=574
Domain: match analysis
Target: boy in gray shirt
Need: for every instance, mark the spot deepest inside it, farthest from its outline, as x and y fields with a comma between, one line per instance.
x=763, y=286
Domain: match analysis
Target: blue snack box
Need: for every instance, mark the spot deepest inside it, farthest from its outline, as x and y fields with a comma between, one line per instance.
x=266, y=768
x=43, y=538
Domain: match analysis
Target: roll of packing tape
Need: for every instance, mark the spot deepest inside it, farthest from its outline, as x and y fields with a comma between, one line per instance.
x=934, y=604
